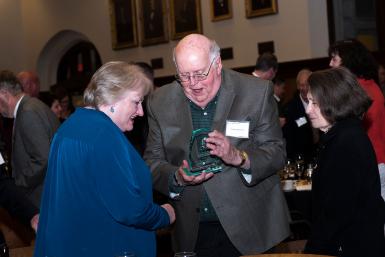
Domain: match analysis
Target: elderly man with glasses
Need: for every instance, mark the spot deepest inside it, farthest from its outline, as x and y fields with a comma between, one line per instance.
x=214, y=147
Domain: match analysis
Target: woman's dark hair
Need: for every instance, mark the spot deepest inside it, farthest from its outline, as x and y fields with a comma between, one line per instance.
x=59, y=92
x=48, y=98
x=338, y=94
x=356, y=57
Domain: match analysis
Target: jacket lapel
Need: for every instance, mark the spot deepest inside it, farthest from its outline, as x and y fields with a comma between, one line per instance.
x=183, y=119
x=225, y=101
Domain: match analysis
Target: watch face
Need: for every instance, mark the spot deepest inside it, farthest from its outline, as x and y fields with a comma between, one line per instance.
x=244, y=157
x=200, y=159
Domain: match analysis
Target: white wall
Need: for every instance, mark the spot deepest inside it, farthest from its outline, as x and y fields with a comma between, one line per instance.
x=11, y=48
x=299, y=31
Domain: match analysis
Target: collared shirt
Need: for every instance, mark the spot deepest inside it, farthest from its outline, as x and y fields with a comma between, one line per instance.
x=203, y=118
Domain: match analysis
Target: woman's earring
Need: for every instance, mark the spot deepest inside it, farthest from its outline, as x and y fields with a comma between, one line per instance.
x=112, y=109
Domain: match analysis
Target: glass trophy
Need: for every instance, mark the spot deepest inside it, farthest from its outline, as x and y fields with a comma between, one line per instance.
x=200, y=159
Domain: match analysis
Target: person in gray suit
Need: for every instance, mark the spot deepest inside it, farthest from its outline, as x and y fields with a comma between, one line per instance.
x=33, y=129
x=241, y=209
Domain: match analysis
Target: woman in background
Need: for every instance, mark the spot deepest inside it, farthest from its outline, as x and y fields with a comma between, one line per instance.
x=356, y=57
x=98, y=192
x=65, y=100
x=53, y=103
x=348, y=210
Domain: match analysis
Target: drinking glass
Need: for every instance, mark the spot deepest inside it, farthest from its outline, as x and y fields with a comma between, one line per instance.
x=300, y=165
x=309, y=172
x=185, y=254
x=289, y=170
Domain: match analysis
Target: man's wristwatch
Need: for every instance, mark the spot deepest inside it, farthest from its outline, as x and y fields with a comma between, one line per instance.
x=244, y=157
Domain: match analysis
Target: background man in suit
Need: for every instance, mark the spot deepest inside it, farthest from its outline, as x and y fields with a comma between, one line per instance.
x=300, y=137
x=266, y=66
x=279, y=94
x=34, y=127
x=30, y=83
x=240, y=210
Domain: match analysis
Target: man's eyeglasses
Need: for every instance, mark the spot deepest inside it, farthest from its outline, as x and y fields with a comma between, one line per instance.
x=196, y=76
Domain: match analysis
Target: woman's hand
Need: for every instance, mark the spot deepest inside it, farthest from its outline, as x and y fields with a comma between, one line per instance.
x=170, y=211
x=35, y=222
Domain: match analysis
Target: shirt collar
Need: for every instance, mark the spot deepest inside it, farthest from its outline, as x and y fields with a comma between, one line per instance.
x=255, y=74
x=17, y=106
x=303, y=102
x=277, y=98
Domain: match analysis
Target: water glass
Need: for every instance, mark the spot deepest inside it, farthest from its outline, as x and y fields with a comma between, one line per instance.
x=185, y=254
x=309, y=172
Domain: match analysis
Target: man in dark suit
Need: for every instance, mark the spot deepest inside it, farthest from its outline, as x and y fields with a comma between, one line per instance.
x=34, y=127
x=300, y=137
x=241, y=209
x=279, y=93
x=266, y=66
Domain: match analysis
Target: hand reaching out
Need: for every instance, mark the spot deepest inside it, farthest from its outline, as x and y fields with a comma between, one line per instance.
x=184, y=179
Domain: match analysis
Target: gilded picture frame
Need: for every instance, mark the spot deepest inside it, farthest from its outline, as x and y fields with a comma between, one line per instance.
x=152, y=22
x=123, y=24
x=221, y=10
x=185, y=18
x=256, y=8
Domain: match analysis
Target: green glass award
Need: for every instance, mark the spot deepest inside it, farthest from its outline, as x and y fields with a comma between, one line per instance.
x=200, y=159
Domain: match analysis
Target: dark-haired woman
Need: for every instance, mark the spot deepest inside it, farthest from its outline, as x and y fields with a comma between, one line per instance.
x=348, y=210
x=356, y=57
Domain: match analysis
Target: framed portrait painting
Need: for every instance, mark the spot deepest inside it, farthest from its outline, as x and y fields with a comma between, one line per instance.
x=185, y=18
x=221, y=10
x=123, y=23
x=255, y=8
x=153, y=22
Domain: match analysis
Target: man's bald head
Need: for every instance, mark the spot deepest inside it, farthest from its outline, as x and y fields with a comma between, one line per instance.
x=196, y=45
x=30, y=83
x=198, y=65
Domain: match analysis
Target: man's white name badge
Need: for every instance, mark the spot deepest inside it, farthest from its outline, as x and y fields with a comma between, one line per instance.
x=239, y=129
x=301, y=121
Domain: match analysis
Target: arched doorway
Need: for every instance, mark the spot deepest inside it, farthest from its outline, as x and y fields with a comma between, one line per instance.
x=64, y=54
x=77, y=66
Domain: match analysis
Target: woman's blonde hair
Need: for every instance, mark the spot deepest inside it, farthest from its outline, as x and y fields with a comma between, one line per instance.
x=111, y=81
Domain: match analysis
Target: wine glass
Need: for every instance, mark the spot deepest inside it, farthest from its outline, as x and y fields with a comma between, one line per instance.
x=300, y=165
x=185, y=254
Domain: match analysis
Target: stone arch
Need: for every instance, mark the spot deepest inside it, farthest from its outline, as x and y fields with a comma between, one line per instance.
x=53, y=51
